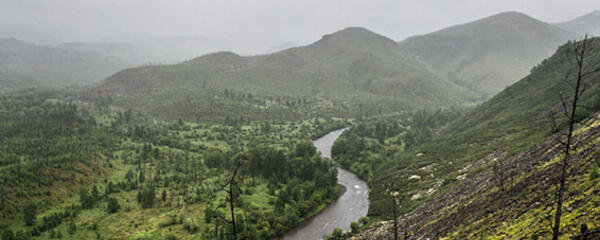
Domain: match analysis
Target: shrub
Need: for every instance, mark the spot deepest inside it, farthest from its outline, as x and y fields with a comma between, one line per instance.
x=595, y=173
x=190, y=225
x=113, y=205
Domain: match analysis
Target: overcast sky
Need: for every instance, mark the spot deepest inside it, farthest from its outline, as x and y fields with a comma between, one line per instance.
x=299, y=21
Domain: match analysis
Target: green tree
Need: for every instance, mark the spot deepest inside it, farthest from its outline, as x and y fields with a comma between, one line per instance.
x=30, y=213
x=163, y=195
x=72, y=228
x=113, y=205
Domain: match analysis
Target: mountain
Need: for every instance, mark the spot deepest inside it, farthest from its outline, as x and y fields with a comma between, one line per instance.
x=477, y=177
x=586, y=24
x=488, y=54
x=50, y=65
x=27, y=34
x=129, y=52
x=353, y=71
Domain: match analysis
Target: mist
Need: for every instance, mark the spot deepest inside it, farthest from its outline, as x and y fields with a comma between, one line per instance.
x=296, y=22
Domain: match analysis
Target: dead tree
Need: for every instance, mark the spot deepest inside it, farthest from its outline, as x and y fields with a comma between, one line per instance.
x=394, y=197
x=232, y=188
x=576, y=54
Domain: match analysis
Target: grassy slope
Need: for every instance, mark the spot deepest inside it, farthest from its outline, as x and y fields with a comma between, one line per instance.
x=484, y=207
x=348, y=72
x=512, y=122
x=489, y=54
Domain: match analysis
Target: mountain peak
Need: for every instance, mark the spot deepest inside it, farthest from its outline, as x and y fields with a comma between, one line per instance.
x=511, y=14
x=358, y=37
x=350, y=32
x=508, y=17
x=222, y=56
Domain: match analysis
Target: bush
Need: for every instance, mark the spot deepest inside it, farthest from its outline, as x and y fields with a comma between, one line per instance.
x=171, y=237
x=364, y=221
x=72, y=228
x=113, y=205
x=595, y=173
x=30, y=212
x=337, y=234
x=190, y=225
x=354, y=226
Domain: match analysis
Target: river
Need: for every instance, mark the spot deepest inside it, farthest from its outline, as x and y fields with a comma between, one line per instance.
x=348, y=208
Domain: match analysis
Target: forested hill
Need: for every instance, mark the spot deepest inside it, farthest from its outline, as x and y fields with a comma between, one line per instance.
x=489, y=54
x=347, y=73
x=506, y=139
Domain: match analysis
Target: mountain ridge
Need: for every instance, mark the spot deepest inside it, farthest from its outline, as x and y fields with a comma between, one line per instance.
x=488, y=54
x=585, y=24
x=348, y=66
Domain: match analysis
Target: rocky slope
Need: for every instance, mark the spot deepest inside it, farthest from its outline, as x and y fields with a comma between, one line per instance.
x=513, y=199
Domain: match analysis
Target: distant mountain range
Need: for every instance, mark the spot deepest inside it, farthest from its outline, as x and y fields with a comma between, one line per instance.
x=460, y=64
x=354, y=68
x=25, y=65
x=489, y=54
x=169, y=50
x=586, y=24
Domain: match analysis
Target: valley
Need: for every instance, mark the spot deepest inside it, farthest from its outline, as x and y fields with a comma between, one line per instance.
x=488, y=129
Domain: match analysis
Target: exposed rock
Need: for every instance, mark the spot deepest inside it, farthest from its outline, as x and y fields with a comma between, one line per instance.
x=414, y=177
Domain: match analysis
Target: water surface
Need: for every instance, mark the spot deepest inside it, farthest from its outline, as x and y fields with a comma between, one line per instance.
x=352, y=205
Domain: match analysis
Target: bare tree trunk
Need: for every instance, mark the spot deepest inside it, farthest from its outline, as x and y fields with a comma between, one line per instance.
x=578, y=91
x=232, y=189
x=395, y=218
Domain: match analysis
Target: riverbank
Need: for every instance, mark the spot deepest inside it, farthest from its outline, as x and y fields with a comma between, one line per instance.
x=352, y=204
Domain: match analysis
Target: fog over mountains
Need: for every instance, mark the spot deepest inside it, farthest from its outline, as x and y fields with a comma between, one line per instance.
x=295, y=120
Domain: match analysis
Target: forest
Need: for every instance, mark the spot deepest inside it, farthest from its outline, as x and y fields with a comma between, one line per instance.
x=79, y=169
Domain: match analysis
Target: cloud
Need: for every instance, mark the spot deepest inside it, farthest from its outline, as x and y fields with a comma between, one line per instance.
x=290, y=20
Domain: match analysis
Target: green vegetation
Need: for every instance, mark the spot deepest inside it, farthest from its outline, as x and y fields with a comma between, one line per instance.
x=81, y=170
x=219, y=146
x=444, y=155
x=350, y=73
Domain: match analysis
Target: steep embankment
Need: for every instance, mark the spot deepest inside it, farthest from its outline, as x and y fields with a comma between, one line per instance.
x=488, y=54
x=508, y=129
x=349, y=72
x=514, y=198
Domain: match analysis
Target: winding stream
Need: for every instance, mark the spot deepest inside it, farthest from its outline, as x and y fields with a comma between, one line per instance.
x=352, y=205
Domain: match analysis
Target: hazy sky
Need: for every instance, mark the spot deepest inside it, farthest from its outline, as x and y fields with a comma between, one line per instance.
x=299, y=21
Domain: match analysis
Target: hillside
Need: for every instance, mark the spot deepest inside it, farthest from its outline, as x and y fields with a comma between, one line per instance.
x=347, y=73
x=513, y=198
x=489, y=54
x=53, y=66
x=589, y=23
x=507, y=128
